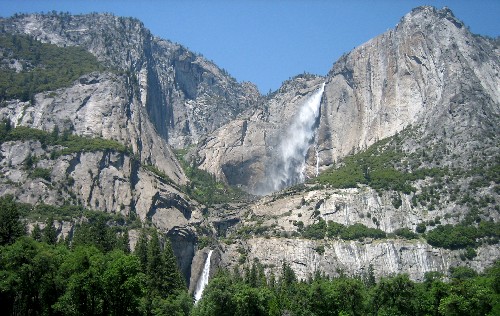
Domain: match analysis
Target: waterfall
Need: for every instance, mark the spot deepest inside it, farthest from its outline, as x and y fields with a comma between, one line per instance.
x=288, y=164
x=203, y=280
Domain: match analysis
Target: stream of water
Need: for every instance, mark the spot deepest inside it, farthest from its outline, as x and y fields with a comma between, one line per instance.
x=203, y=280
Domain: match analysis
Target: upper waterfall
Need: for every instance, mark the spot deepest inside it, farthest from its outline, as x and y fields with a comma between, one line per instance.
x=289, y=161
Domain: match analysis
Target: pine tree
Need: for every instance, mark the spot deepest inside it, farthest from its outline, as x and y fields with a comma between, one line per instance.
x=272, y=280
x=49, y=232
x=288, y=275
x=36, y=233
x=154, y=262
x=252, y=279
x=124, y=242
x=11, y=226
x=172, y=279
x=101, y=234
x=141, y=249
x=81, y=235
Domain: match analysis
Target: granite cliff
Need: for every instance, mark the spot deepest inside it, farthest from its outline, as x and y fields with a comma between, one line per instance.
x=429, y=71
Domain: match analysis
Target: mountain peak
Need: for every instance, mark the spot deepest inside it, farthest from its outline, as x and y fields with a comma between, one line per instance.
x=431, y=15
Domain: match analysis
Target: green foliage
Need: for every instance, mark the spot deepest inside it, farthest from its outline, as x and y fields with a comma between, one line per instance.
x=45, y=67
x=75, y=144
x=374, y=167
x=405, y=233
x=316, y=230
x=380, y=167
x=248, y=230
x=336, y=230
x=83, y=292
x=461, y=273
x=70, y=143
x=421, y=228
x=463, y=235
x=219, y=297
x=11, y=226
x=30, y=277
x=470, y=253
x=49, y=233
x=397, y=201
x=123, y=284
x=161, y=274
x=102, y=230
x=396, y=296
x=123, y=242
x=40, y=173
x=62, y=213
x=41, y=279
x=230, y=294
x=96, y=232
x=320, y=249
x=36, y=233
x=158, y=172
x=359, y=231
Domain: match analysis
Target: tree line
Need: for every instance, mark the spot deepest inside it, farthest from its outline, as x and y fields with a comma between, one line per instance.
x=254, y=293
x=91, y=273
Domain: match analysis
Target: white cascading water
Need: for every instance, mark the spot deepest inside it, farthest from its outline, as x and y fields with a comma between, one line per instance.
x=289, y=164
x=203, y=280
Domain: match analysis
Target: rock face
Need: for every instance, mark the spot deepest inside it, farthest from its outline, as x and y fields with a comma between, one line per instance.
x=98, y=105
x=429, y=73
x=185, y=95
x=354, y=258
x=408, y=75
x=158, y=95
x=238, y=152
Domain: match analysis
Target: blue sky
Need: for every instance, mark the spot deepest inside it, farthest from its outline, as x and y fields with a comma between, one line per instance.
x=267, y=42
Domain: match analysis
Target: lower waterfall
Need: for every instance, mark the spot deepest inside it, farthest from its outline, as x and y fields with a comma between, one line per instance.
x=203, y=280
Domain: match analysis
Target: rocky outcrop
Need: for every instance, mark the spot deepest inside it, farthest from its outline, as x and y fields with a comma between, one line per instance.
x=98, y=105
x=185, y=95
x=184, y=245
x=103, y=180
x=110, y=181
x=353, y=258
x=101, y=105
x=409, y=75
x=280, y=215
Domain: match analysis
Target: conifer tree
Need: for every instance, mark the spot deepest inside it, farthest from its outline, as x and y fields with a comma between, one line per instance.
x=49, y=232
x=36, y=233
x=11, y=226
x=172, y=278
x=124, y=242
x=154, y=262
x=141, y=249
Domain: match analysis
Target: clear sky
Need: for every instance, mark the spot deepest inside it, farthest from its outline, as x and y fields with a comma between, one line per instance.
x=267, y=42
